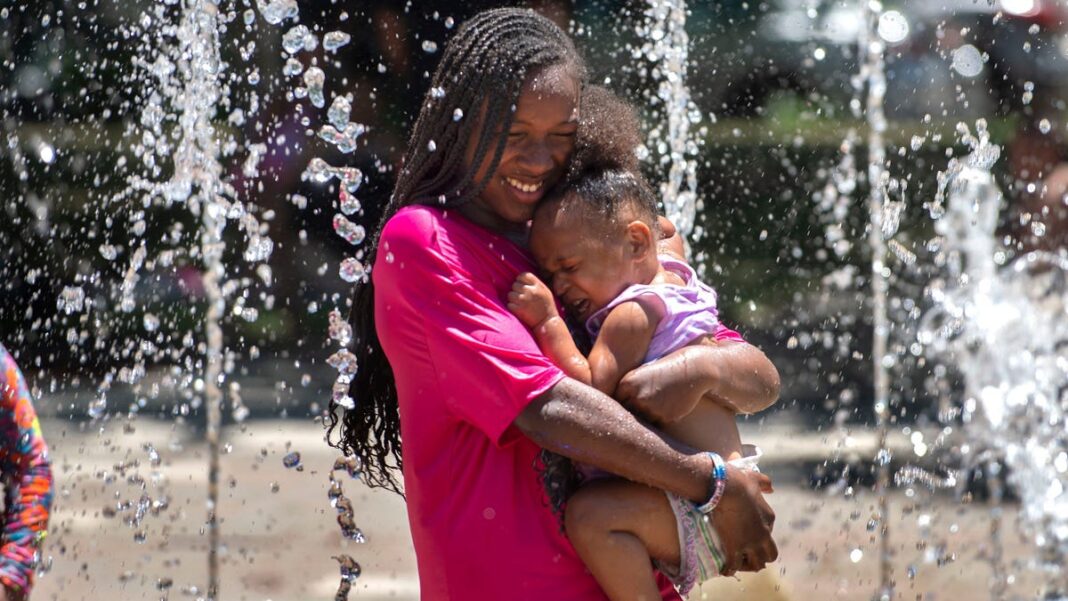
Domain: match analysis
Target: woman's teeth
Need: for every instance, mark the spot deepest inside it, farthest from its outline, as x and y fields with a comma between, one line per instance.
x=518, y=185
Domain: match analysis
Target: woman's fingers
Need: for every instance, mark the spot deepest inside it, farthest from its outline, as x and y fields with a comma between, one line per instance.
x=764, y=482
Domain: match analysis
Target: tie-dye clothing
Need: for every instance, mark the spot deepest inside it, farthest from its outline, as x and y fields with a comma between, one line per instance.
x=27, y=477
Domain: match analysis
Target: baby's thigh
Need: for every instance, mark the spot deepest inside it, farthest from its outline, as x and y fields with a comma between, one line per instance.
x=615, y=505
x=710, y=426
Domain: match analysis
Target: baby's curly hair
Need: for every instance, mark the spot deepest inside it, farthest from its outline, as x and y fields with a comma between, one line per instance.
x=603, y=181
x=609, y=134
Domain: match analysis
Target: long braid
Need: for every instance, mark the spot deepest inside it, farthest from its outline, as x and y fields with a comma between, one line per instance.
x=481, y=72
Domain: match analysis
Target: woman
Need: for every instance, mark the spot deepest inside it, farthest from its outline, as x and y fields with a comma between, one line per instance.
x=441, y=357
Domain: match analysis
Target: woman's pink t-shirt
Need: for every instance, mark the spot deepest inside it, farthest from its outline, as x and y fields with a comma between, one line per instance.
x=465, y=367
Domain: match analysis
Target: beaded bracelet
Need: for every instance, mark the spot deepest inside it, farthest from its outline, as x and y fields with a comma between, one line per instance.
x=719, y=483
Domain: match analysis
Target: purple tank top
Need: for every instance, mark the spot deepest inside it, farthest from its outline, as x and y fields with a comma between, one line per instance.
x=689, y=310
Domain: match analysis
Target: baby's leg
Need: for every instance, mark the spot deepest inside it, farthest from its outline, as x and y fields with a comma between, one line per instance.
x=616, y=526
x=710, y=426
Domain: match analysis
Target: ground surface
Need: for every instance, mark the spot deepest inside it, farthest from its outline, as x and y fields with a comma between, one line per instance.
x=279, y=531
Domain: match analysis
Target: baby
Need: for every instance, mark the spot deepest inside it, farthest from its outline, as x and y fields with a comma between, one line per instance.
x=596, y=241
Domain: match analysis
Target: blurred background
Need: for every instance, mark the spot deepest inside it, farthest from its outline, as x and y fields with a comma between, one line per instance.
x=779, y=135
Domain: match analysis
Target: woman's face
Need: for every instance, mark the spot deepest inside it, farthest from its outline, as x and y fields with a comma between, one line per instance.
x=540, y=142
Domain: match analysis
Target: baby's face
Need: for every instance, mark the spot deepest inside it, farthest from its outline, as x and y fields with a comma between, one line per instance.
x=585, y=268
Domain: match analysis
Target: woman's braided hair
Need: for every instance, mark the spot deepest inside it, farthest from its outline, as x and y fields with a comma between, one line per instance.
x=481, y=73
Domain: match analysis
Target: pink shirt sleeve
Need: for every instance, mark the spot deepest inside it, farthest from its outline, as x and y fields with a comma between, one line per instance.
x=725, y=333
x=486, y=362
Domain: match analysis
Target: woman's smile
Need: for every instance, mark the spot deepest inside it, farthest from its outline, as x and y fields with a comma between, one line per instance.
x=538, y=146
x=526, y=188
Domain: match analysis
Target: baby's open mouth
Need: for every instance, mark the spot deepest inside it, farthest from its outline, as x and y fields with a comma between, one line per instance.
x=580, y=307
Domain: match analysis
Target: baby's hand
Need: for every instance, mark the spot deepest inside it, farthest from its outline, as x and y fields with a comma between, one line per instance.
x=531, y=301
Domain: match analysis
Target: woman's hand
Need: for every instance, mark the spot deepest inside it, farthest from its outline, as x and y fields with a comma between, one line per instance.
x=744, y=520
x=581, y=423
x=735, y=374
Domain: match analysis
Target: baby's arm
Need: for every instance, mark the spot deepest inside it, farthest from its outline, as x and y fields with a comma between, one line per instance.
x=532, y=302
x=620, y=347
x=621, y=344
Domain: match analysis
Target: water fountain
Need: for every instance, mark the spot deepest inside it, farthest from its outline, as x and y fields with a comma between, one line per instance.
x=999, y=319
x=180, y=150
x=1001, y=325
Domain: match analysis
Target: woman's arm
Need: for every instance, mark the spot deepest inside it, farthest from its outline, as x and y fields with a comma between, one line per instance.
x=581, y=423
x=733, y=373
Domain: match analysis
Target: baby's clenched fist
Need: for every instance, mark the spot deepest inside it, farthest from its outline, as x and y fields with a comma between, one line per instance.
x=530, y=300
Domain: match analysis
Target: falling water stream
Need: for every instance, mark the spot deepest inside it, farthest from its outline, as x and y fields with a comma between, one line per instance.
x=873, y=75
x=671, y=143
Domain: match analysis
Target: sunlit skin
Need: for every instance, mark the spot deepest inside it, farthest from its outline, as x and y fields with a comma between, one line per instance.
x=589, y=264
x=539, y=144
x=616, y=526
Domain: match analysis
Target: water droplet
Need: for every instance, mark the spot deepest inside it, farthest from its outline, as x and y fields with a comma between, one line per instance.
x=71, y=299
x=275, y=487
x=353, y=233
x=351, y=270
x=339, y=329
x=350, y=570
x=389, y=257
x=893, y=27
x=430, y=47
x=335, y=39
x=437, y=93
x=449, y=22
x=109, y=252
x=1033, y=29
x=292, y=67
x=856, y=555
x=967, y=60
x=291, y=460
x=338, y=114
x=151, y=322
x=346, y=402
x=249, y=17
x=299, y=37
x=381, y=68
x=883, y=457
x=98, y=407
x=276, y=11
x=343, y=361
x=345, y=140
x=314, y=79
x=354, y=534
x=457, y=114
x=917, y=142
x=1044, y=126
x=349, y=203
x=431, y=146
x=351, y=465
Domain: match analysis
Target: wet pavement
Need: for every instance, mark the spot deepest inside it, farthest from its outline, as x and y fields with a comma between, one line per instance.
x=279, y=530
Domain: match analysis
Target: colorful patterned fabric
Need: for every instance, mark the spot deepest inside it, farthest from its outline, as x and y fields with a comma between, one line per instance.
x=27, y=478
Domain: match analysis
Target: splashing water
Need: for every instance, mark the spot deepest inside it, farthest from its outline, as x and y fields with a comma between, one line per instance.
x=1004, y=329
x=670, y=141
